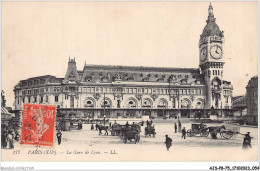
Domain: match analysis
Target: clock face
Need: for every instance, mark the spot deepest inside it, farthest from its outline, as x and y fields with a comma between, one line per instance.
x=216, y=51
x=203, y=53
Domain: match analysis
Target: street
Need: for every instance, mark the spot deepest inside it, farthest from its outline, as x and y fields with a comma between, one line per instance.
x=112, y=148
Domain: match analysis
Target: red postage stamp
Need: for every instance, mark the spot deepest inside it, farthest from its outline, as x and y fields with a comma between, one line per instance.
x=38, y=124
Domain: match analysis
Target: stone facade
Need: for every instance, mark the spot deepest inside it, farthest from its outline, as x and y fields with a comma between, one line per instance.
x=252, y=101
x=135, y=91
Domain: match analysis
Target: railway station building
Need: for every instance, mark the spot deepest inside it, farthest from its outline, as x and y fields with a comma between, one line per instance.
x=131, y=91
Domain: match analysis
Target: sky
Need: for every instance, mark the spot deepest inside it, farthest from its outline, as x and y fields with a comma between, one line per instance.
x=39, y=37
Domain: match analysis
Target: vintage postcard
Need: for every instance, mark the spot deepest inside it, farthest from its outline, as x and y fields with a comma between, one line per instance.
x=129, y=81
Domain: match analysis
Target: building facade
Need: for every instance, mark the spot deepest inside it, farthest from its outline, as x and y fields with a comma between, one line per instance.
x=239, y=105
x=252, y=101
x=127, y=91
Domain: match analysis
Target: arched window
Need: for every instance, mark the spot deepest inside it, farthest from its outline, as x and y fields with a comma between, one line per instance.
x=162, y=103
x=106, y=103
x=185, y=104
x=89, y=103
x=131, y=104
x=215, y=85
x=147, y=103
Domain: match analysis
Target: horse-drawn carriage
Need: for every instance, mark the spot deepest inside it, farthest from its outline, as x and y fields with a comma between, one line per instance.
x=116, y=129
x=149, y=130
x=130, y=135
x=198, y=129
x=226, y=132
x=130, y=132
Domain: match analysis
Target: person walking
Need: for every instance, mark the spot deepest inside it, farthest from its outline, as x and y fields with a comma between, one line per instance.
x=168, y=142
x=179, y=126
x=247, y=141
x=78, y=126
x=175, y=127
x=183, y=131
x=4, y=138
x=59, y=134
x=10, y=140
x=92, y=126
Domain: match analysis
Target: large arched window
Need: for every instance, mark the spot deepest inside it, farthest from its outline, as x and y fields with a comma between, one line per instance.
x=162, y=103
x=147, y=103
x=106, y=103
x=185, y=104
x=131, y=103
x=89, y=103
x=216, y=83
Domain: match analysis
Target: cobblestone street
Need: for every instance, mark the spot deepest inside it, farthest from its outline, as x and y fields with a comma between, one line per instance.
x=102, y=148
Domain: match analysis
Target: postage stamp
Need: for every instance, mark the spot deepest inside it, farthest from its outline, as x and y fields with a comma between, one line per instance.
x=38, y=123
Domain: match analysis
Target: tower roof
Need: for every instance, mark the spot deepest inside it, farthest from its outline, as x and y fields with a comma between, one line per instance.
x=211, y=28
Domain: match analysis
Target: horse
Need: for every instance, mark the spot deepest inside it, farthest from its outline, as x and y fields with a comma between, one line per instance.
x=216, y=129
x=101, y=128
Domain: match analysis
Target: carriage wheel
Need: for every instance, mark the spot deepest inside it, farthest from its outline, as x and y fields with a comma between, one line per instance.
x=112, y=133
x=130, y=140
x=204, y=133
x=117, y=133
x=227, y=134
x=234, y=135
x=190, y=133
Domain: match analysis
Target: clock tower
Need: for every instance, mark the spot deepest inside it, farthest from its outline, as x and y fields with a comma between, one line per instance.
x=211, y=52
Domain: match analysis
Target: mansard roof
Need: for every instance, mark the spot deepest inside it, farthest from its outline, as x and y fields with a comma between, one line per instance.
x=36, y=81
x=140, y=68
x=109, y=73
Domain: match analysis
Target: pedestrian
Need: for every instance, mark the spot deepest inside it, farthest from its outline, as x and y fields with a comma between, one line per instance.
x=96, y=126
x=59, y=134
x=214, y=134
x=5, y=133
x=179, y=126
x=17, y=136
x=247, y=141
x=10, y=140
x=151, y=121
x=81, y=126
x=183, y=131
x=92, y=126
x=175, y=127
x=110, y=125
x=127, y=124
x=168, y=142
x=147, y=123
